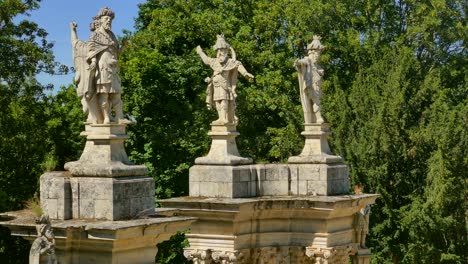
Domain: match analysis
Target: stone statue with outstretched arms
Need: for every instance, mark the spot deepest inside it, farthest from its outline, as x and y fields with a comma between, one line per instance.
x=221, y=90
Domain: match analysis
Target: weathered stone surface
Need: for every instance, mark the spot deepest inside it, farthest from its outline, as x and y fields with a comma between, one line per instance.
x=104, y=242
x=112, y=198
x=268, y=229
x=268, y=180
x=223, y=150
x=55, y=195
x=316, y=149
x=222, y=181
x=104, y=154
x=66, y=197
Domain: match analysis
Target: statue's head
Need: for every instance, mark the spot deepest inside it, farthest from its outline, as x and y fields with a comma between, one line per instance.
x=44, y=227
x=315, y=48
x=222, y=48
x=103, y=19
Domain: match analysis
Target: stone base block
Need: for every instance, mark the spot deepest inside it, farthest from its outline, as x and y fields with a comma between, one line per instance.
x=222, y=181
x=55, y=195
x=319, y=179
x=66, y=197
x=268, y=180
x=112, y=198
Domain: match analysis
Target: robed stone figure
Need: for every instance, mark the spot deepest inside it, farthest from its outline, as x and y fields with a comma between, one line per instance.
x=97, y=72
x=310, y=82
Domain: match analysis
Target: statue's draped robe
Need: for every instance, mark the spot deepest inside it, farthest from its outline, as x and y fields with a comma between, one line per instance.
x=86, y=89
x=105, y=48
x=309, y=85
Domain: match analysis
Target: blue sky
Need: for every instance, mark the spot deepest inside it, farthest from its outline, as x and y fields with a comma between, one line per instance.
x=55, y=16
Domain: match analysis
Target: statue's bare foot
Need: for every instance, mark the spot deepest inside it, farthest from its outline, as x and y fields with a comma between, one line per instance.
x=106, y=121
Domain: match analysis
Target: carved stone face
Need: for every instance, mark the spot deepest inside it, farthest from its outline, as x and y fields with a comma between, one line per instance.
x=222, y=55
x=106, y=22
x=48, y=233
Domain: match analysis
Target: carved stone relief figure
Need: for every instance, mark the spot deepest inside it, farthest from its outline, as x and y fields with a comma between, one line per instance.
x=310, y=82
x=221, y=90
x=97, y=72
x=362, y=226
x=43, y=248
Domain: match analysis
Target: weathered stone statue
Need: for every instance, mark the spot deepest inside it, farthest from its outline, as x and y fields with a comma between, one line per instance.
x=310, y=82
x=43, y=248
x=97, y=70
x=221, y=91
x=362, y=226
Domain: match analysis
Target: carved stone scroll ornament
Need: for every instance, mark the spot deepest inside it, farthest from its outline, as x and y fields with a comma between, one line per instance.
x=43, y=248
x=226, y=257
x=198, y=256
x=334, y=255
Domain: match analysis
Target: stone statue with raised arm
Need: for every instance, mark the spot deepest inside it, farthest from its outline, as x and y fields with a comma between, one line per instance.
x=97, y=72
x=221, y=91
x=310, y=82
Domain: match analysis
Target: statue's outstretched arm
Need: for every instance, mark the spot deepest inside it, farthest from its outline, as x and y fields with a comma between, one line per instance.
x=74, y=35
x=203, y=56
x=244, y=73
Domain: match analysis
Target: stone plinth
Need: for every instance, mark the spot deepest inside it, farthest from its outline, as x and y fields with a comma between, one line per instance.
x=316, y=149
x=222, y=181
x=104, y=242
x=104, y=154
x=271, y=230
x=66, y=197
x=223, y=149
x=268, y=180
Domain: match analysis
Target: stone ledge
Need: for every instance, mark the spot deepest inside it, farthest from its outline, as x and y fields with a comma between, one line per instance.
x=105, y=242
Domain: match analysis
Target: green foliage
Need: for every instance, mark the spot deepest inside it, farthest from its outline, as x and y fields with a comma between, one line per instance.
x=169, y=251
x=28, y=136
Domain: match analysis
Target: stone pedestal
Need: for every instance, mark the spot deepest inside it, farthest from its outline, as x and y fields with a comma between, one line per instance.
x=65, y=197
x=271, y=229
x=223, y=149
x=104, y=242
x=104, y=154
x=102, y=184
x=316, y=149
